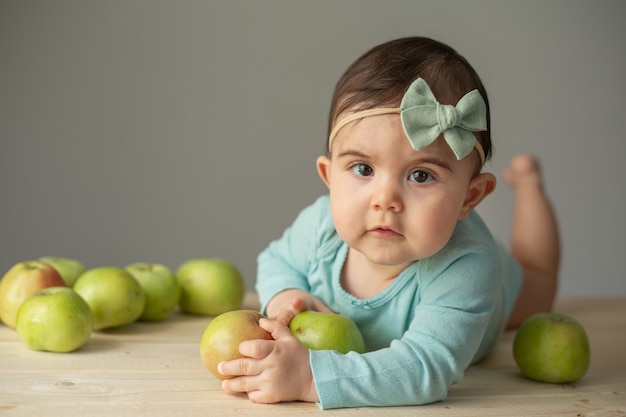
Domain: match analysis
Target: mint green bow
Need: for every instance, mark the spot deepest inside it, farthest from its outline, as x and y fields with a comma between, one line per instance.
x=424, y=119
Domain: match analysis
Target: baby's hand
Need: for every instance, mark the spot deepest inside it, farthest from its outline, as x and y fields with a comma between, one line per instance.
x=287, y=304
x=273, y=370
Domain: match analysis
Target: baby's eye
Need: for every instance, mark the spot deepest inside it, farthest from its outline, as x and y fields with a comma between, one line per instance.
x=362, y=170
x=420, y=177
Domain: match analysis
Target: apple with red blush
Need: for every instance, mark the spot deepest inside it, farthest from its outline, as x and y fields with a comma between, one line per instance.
x=20, y=282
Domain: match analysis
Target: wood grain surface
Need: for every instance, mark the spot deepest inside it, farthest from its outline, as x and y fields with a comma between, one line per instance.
x=154, y=369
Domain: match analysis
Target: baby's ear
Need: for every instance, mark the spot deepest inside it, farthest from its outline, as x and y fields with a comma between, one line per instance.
x=480, y=187
x=323, y=169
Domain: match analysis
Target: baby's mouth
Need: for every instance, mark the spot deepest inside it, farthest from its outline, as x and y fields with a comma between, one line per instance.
x=384, y=232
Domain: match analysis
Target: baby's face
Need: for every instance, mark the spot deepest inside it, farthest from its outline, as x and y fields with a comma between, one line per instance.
x=393, y=204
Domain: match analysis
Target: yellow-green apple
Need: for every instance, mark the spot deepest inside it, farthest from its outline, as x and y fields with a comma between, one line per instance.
x=209, y=286
x=20, y=282
x=160, y=287
x=68, y=268
x=327, y=331
x=552, y=347
x=113, y=294
x=55, y=319
x=222, y=336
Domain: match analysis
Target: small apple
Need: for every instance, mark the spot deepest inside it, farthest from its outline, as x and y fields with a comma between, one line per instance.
x=327, y=331
x=222, y=336
x=160, y=287
x=20, y=282
x=551, y=347
x=55, y=319
x=113, y=294
x=69, y=269
x=209, y=286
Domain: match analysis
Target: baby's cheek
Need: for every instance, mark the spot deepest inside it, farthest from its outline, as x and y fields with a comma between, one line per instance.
x=436, y=234
x=347, y=223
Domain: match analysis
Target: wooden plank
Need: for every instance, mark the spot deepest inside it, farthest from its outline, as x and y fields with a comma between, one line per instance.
x=482, y=392
x=155, y=369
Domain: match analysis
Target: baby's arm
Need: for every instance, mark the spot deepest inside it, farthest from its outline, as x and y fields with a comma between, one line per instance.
x=416, y=369
x=456, y=307
x=284, y=267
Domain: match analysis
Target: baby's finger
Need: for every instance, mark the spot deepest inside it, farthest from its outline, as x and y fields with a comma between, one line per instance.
x=240, y=384
x=238, y=367
x=298, y=305
x=256, y=349
x=277, y=328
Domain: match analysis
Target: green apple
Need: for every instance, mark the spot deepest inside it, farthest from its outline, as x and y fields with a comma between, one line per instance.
x=55, y=319
x=209, y=286
x=222, y=336
x=551, y=347
x=20, y=282
x=327, y=331
x=69, y=269
x=113, y=294
x=160, y=287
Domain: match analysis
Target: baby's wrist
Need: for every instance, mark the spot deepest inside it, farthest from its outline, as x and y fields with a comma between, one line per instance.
x=309, y=393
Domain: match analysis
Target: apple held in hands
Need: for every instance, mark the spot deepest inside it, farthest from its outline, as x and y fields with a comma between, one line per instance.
x=55, y=319
x=160, y=287
x=113, y=294
x=327, y=331
x=20, y=282
x=551, y=347
x=221, y=338
x=69, y=269
x=209, y=286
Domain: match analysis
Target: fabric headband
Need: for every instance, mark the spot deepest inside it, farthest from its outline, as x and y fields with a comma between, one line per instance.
x=424, y=119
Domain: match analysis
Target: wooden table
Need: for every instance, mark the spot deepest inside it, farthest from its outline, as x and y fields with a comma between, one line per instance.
x=155, y=369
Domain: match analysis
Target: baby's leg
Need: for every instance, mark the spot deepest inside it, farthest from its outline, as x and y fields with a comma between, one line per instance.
x=534, y=239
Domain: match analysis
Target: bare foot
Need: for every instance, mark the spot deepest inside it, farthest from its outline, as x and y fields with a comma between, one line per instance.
x=523, y=170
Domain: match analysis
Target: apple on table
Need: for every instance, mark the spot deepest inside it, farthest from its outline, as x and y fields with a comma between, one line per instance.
x=552, y=347
x=222, y=336
x=54, y=319
x=113, y=294
x=20, y=282
x=209, y=286
x=160, y=287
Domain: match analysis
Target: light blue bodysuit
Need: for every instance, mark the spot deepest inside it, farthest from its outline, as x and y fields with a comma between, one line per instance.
x=437, y=317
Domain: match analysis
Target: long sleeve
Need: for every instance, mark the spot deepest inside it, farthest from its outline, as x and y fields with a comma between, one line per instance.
x=441, y=341
x=291, y=261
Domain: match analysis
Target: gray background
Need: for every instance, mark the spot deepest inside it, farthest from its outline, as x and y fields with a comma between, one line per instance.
x=165, y=130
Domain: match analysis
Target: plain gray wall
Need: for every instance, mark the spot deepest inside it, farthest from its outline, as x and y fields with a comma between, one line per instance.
x=165, y=130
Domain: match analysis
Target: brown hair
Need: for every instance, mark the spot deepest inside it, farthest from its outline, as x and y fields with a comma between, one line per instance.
x=381, y=76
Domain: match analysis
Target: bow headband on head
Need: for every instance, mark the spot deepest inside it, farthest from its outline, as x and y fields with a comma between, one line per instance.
x=424, y=119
